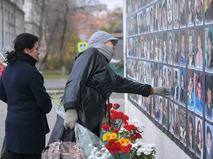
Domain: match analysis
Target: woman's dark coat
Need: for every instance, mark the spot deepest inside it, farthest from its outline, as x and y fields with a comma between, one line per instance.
x=22, y=88
x=90, y=83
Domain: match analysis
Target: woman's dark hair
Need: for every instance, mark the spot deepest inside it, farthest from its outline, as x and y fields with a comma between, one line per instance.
x=21, y=42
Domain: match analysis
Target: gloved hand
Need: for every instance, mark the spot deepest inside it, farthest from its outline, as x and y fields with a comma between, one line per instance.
x=70, y=118
x=161, y=91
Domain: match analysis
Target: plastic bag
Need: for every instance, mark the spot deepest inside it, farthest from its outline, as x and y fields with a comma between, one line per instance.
x=91, y=145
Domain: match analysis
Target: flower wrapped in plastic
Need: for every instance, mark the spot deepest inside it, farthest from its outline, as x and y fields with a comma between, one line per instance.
x=91, y=145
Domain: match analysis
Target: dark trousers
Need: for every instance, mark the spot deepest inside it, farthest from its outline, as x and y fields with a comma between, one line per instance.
x=13, y=155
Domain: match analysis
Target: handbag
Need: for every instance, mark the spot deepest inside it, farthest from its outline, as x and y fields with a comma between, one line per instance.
x=62, y=150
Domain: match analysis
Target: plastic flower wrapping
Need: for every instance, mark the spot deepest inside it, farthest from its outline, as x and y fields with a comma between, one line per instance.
x=123, y=139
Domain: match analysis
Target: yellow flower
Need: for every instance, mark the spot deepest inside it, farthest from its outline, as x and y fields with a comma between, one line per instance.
x=124, y=141
x=113, y=136
x=106, y=136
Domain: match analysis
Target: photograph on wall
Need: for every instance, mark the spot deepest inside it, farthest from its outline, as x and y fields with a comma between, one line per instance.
x=169, y=13
x=182, y=125
x=147, y=27
x=141, y=71
x=209, y=49
x=191, y=15
x=165, y=76
x=151, y=47
x=159, y=15
x=199, y=93
x=191, y=48
x=209, y=97
x=208, y=11
x=199, y=53
x=157, y=108
x=156, y=47
x=160, y=48
x=146, y=104
x=191, y=132
x=139, y=22
x=199, y=137
x=176, y=49
x=170, y=48
x=208, y=140
x=155, y=17
x=171, y=117
x=142, y=52
x=176, y=14
x=170, y=78
x=165, y=56
x=160, y=110
x=176, y=121
x=165, y=113
x=160, y=75
x=182, y=13
x=199, y=12
x=164, y=12
x=191, y=90
x=176, y=84
x=147, y=46
x=156, y=75
x=183, y=87
x=151, y=18
x=183, y=48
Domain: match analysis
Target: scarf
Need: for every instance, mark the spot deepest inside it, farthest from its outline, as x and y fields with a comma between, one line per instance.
x=105, y=50
x=26, y=58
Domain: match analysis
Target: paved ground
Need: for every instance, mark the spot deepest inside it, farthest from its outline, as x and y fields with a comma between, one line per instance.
x=115, y=98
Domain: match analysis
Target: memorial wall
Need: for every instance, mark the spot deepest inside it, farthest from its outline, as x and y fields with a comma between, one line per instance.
x=170, y=43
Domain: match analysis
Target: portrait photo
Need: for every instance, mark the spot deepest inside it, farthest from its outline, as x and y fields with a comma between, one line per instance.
x=198, y=12
x=176, y=14
x=176, y=121
x=176, y=49
x=182, y=48
x=209, y=49
x=208, y=140
x=199, y=53
x=209, y=97
x=199, y=91
x=176, y=85
x=182, y=125
x=208, y=11
x=182, y=13
x=199, y=137
x=190, y=16
x=191, y=48
x=183, y=87
x=171, y=117
x=191, y=132
x=191, y=90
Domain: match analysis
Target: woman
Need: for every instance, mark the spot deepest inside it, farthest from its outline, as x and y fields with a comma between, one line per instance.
x=90, y=84
x=22, y=88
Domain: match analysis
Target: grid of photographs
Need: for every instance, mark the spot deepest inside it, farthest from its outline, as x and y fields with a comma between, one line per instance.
x=170, y=43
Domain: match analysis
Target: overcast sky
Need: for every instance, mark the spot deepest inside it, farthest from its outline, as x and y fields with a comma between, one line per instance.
x=112, y=4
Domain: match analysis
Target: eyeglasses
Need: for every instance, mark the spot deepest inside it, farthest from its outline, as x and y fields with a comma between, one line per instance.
x=114, y=42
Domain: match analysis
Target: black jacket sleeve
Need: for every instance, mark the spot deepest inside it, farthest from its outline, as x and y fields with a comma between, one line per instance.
x=82, y=70
x=124, y=85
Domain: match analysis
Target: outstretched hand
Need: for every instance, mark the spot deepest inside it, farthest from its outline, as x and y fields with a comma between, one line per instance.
x=161, y=91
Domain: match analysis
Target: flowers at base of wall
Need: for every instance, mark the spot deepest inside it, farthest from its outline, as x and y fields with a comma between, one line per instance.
x=123, y=139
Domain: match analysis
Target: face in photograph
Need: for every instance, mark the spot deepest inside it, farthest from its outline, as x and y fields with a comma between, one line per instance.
x=170, y=54
x=171, y=115
x=183, y=91
x=182, y=123
x=198, y=11
x=191, y=133
x=176, y=50
x=199, y=54
x=209, y=148
x=190, y=12
x=182, y=49
x=175, y=14
x=190, y=49
x=209, y=11
x=176, y=84
x=159, y=16
x=169, y=11
x=199, y=137
x=176, y=121
x=182, y=13
x=209, y=50
x=209, y=100
x=191, y=94
x=199, y=94
x=164, y=15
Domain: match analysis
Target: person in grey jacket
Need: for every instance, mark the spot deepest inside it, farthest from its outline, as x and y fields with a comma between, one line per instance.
x=90, y=84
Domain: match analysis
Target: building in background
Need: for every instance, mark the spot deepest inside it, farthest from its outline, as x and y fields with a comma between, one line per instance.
x=11, y=22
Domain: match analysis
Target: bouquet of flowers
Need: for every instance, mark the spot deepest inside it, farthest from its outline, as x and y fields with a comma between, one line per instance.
x=122, y=139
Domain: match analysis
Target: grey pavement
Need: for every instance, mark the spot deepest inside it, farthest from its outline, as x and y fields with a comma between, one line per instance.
x=51, y=86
